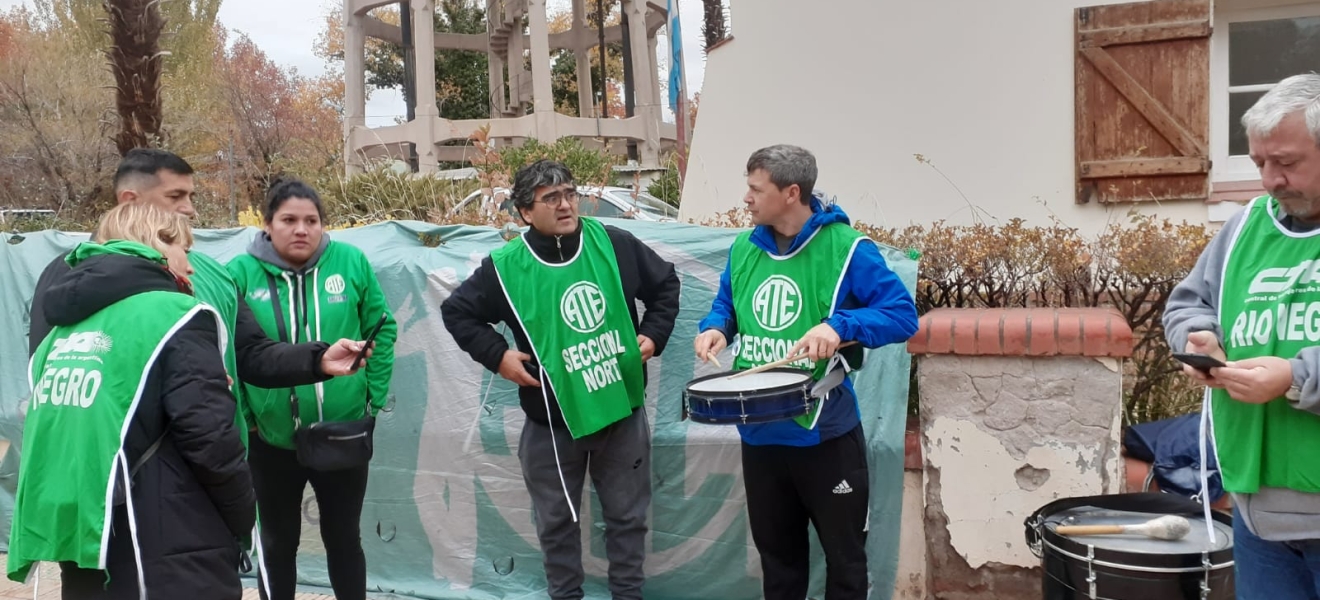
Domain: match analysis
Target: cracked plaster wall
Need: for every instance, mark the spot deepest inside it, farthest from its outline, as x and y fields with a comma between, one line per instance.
x=1007, y=435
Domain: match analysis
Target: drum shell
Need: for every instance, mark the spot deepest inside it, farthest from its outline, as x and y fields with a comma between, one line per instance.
x=1065, y=578
x=747, y=407
x=1128, y=575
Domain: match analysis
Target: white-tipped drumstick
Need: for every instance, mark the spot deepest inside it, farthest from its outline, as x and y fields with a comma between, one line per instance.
x=780, y=363
x=1168, y=527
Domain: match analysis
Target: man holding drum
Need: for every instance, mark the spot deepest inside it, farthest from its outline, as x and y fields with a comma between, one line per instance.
x=1251, y=300
x=802, y=283
x=568, y=288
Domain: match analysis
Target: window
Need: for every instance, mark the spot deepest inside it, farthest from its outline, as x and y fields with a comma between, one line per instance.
x=1251, y=50
x=654, y=206
x=593, y=206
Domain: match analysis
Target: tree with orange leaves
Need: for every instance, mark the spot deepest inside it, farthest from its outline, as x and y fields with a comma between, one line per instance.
x=279, y=120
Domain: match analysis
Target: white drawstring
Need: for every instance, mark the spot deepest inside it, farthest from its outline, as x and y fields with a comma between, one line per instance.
x=542, y=378
x=316, y=306
x=550, y=422
x=467, y=444
x=262, y=575
x=293, y=310
x=1207, y=430
x=132, y=525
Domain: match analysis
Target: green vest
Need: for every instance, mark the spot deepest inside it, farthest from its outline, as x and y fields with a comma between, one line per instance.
x=87, y=381
x=779, y=298
x=213, y=285
x=577, y=320
x=1269, y=305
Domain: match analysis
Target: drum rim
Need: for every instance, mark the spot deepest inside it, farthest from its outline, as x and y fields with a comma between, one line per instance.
x=1132, y=502
x=1214, y=566
x=805, y=385
x=1072, y=546
x=1064, y=543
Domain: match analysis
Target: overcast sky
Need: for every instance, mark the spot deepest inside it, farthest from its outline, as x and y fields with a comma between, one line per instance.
x=286, y=30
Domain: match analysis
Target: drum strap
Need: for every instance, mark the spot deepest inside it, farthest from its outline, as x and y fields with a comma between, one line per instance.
x=1207, y=430
x=831, y=380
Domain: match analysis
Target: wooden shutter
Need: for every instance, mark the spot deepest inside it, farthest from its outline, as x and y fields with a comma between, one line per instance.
x=1142, y=104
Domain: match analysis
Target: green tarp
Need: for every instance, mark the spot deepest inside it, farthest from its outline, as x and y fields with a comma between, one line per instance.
x=446, y=513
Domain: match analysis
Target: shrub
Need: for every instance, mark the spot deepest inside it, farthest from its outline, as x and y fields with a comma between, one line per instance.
x=666, y=187
x=1131, y=267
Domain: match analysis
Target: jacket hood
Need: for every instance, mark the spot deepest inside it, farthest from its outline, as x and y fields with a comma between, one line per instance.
x=104, y=274
x=263, y=249
x=821, y=215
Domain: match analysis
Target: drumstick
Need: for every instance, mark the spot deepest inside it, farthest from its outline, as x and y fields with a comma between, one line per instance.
x=779, y=363
x=714, y=359
x=1168, y=527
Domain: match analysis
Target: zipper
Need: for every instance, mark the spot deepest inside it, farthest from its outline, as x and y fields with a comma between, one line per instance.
x=560, y=248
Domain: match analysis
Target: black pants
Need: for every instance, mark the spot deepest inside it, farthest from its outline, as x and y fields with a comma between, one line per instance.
x=826, y=485
x=279, y=481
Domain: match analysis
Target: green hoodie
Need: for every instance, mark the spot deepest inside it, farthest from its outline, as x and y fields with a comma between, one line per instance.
x=335, y=295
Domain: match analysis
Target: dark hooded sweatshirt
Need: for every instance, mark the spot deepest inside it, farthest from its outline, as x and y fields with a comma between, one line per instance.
x=480, y=301
x=193, y=498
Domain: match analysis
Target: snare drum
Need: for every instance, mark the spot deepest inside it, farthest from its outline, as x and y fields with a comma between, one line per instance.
x=1131, y=567
x=772, y=395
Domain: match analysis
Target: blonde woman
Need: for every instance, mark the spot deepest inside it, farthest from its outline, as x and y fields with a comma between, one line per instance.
x=132, y=474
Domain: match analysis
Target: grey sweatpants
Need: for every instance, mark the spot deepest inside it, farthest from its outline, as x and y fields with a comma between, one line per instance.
x=619, y=460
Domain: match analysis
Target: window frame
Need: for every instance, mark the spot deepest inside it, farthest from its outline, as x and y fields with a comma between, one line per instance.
x=1226, y=167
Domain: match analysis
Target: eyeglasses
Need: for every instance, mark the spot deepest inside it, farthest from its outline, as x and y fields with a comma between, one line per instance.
x=554, y=199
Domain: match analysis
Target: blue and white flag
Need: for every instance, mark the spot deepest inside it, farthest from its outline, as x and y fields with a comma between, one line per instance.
x=675, y=56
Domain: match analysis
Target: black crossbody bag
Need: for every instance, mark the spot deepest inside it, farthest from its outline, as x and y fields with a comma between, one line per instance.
x=326, y=446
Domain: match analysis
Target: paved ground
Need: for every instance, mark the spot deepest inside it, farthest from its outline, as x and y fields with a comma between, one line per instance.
x=48, y=587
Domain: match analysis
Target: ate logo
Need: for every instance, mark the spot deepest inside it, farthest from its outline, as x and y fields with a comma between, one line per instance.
x=335, y=285
x=777, y=303
x=583, y=307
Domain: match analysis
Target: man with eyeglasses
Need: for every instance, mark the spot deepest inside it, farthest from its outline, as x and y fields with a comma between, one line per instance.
x=568, y=289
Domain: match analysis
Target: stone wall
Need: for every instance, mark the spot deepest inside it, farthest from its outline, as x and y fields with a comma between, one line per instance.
x=1019, y=407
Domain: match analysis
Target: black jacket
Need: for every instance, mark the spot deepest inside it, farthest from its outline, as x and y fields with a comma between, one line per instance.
x=261, y=361
x=480, y=301
x=193, y=498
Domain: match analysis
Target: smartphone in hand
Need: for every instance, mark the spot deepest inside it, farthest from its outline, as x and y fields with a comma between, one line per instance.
x=1200, y=362
x=371, y=339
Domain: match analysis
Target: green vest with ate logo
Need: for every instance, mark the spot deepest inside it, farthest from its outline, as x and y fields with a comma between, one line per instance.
x=577, y=320
x=1269, y=305
x=779, y=298
x=87, y=381
x=213, y=285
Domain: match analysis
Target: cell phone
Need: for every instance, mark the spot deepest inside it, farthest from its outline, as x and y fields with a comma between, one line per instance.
x=371, y=338
x=1200, y=362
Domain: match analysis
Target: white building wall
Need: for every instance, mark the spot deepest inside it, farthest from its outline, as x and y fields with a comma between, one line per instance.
x=983, y=90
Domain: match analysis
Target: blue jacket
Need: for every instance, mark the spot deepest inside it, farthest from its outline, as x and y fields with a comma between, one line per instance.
x=874, y=309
